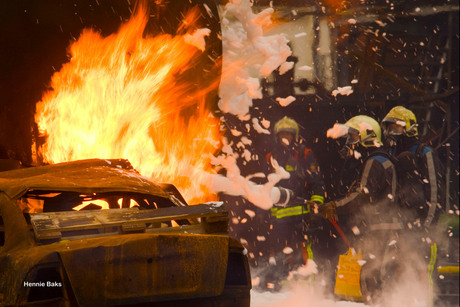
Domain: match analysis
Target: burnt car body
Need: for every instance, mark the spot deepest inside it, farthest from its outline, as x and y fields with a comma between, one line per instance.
x=148, y=248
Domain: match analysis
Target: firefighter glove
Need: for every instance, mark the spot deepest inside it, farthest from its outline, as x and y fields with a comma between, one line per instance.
x=329, y=210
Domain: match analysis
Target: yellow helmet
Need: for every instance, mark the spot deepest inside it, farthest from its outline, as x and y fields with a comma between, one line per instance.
x=287, y=124
x=365, y=130
x=403, y=117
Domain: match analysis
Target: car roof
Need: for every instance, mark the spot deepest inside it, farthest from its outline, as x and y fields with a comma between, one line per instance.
x=83, y=176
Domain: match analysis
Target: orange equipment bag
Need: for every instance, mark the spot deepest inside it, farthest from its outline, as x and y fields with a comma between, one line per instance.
x=347, y=281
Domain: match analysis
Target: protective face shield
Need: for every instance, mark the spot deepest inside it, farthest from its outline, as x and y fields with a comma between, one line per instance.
x=286, y=132
x=351, y=143
x=393, y=133
x=349, y=138
x=352, y=137
x=393, y=129
x=285, y=138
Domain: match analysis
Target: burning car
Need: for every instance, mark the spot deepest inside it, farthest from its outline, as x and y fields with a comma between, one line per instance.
x=58, y=247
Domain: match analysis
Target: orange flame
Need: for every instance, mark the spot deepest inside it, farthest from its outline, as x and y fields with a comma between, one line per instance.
x=122, y=96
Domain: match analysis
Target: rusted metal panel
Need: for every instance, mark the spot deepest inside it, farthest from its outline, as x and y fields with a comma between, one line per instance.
x=87, y=176
x=17, y=234
x=126, y=268
x=51, y=225
x=215, y=224
x=133, y=227
x=148, y=268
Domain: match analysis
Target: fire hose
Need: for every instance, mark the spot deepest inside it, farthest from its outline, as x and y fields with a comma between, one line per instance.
x=341, y=233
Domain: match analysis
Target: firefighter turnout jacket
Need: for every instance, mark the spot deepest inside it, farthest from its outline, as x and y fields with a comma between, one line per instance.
x=429, y=176
x=373, y=196
x=305, y=180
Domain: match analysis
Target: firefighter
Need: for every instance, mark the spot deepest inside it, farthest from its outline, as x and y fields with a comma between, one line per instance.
x=369, y=207
x=424, y=195
x=420, y=189
x=292, y=239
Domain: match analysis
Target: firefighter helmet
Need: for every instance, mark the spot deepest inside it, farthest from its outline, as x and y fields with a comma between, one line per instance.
x=401, y=117
x=364, y=130
x=287, y=124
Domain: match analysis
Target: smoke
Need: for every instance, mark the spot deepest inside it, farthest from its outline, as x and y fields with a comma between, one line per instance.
x=299, y=294
x=410, y=290
x=410, y=286
x=396, y=259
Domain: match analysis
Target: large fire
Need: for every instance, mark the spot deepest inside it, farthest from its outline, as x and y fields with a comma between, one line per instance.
x=122, y=96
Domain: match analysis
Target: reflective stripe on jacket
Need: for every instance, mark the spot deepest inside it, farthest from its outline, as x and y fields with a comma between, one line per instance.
x=280, y=213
